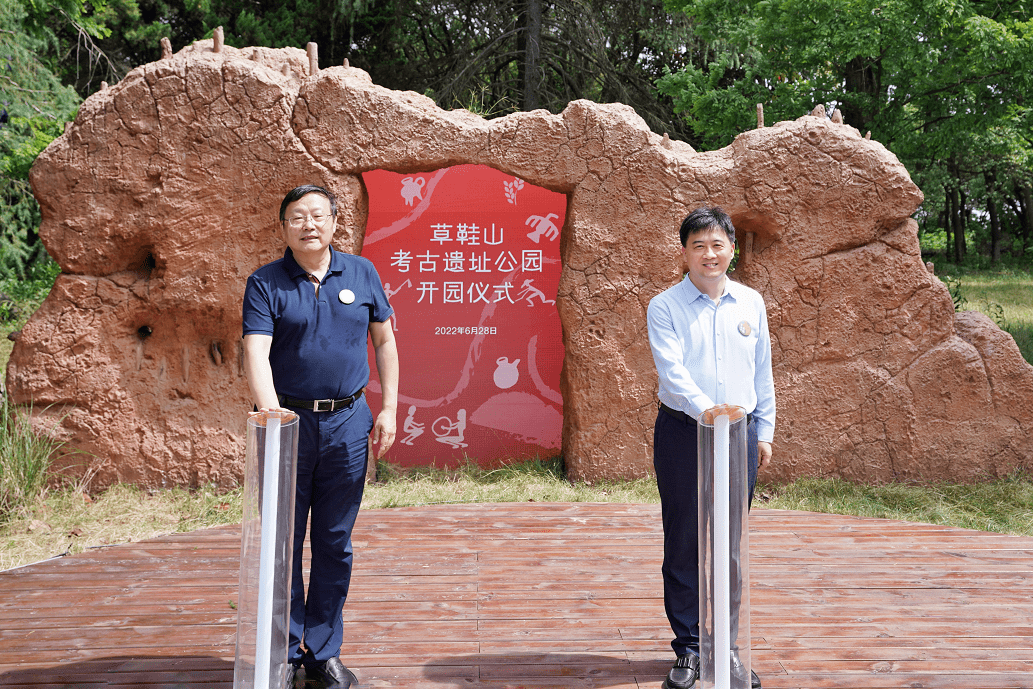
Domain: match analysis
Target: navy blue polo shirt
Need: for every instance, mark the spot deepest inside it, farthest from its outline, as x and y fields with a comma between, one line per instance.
x=319, y=348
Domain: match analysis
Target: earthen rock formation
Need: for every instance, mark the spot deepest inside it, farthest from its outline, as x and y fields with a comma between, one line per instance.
x=161, y=198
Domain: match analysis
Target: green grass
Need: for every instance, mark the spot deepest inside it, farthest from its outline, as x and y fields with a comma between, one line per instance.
x=1004, y=506
x=534, y=481
x=1011, y=289
x=67, y=520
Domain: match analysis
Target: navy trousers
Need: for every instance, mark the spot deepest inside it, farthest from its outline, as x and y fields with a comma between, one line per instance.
x=675, y=463
x=331, y=478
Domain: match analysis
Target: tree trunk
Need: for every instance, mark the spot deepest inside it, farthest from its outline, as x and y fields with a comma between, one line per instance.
x=1026, y=196
x=956, y=205
x=860, y=79
x=957, y=228
x=960, y=248
x=946, y=223
x=995, y=218
x=532, y=51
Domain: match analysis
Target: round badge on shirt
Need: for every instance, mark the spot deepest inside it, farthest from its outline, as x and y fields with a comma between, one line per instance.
x=347, y=297
x=744, y=329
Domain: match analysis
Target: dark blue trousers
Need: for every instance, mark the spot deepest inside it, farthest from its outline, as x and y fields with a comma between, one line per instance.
x=331, y=478
x=675, y=463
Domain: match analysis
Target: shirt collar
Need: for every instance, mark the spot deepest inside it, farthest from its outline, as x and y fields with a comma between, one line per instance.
x=296, y=271
x=693, y=293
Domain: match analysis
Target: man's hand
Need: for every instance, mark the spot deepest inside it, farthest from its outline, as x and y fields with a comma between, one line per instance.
x=265, y=409
x=764, y=452
x=384, y=431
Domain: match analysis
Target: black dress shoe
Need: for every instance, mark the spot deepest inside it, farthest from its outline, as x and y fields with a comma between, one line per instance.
x=684, y=673
x=332, y=673
x=739, y=671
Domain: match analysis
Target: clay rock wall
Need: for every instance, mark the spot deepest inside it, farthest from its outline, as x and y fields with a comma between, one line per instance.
x=161, y=198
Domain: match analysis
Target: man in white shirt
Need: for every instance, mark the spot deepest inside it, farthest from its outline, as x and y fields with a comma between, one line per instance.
x=711, y=345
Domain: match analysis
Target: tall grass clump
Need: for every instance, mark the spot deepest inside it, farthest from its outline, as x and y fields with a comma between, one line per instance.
x=25, y=456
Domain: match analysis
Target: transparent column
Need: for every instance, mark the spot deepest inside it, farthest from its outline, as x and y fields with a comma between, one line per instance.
x=724, y=591
x=264, y=596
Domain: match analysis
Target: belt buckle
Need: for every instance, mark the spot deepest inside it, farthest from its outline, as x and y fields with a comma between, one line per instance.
x=329, y=405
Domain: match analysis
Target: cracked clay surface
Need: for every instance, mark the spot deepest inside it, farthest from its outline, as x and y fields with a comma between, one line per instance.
x=161, y=198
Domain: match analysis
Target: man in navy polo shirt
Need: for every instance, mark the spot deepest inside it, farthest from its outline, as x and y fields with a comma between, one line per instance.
x=307, y=317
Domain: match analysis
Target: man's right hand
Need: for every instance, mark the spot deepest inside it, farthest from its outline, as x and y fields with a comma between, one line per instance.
x=265, y=409
x=384, y=431
x=764, y=453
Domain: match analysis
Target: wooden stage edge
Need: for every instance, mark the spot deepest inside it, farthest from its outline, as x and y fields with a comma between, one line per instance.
x=535, y=595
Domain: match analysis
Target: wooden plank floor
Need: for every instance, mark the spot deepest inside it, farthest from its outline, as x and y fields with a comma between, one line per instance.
x=545, y=595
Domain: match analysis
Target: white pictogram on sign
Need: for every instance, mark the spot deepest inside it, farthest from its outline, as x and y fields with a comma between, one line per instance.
x=542, y=226
x=412, y=189
x=507, y=374
x=512, y=188
x=392, y=292
x=412, y=427
x=449, y=432
x=530, y=293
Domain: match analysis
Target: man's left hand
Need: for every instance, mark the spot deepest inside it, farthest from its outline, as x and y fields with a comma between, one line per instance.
x=764, y=453
x=384, y=432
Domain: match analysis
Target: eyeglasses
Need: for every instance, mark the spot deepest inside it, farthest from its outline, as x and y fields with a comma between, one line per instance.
x=318, y=220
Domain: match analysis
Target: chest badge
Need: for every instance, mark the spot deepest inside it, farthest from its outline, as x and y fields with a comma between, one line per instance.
x=347, y=297
x=744, y=329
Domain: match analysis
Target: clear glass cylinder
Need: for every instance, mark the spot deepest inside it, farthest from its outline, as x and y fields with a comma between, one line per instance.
x=724, y=549
x=266, y=547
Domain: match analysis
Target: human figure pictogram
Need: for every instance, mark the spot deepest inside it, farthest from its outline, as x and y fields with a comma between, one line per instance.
x=530, y=293
x=457, y=430
x=412, y=427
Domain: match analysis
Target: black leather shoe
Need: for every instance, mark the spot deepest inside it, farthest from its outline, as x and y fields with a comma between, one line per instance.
x=684, y=673
x=332, y=673
x=739, y=671
x=292, y=673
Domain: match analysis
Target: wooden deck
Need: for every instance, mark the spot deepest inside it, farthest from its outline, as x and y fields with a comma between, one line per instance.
x=545, y=595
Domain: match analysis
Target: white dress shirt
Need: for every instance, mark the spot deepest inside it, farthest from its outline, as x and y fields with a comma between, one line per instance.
x=709, y=353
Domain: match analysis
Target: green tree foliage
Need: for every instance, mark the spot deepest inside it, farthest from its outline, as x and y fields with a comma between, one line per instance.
x=48, y=49
x=495, y=56
x=131, y=36
x=35, y=107
x=944, y=84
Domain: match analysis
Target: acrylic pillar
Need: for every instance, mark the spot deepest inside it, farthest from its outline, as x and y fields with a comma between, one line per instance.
x=724, y=599
x=264, y=596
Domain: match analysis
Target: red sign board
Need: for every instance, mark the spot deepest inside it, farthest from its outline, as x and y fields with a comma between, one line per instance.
x=470, y=260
